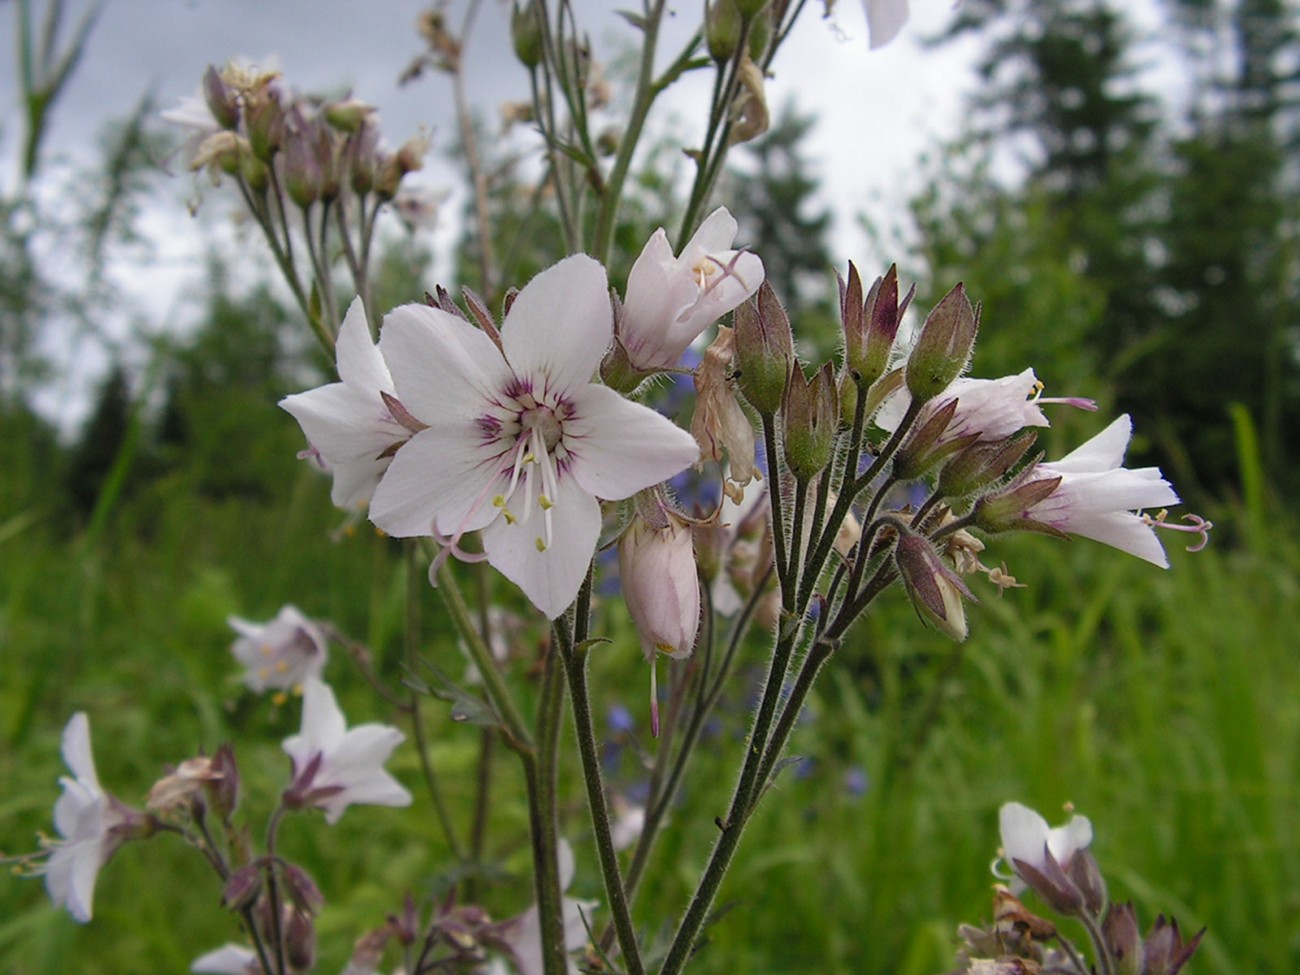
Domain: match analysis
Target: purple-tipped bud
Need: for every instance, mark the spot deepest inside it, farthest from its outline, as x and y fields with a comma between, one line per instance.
x=944, y=346
x=870, y=326
x=327, y=159
x=723, y=27
x=1009, y=509
x=299, y=940
x=926, y=448
x=811, y=419
x=302, y=890
x=1051, y=883
x=359, y=157
x=1085, y=873
x=935, y=589
x=526, y=34
x=221, y=100
x=1166, y=952
x=243, y=887
x=983, y=463
x=764, y=350
x=302, y=171
x=223, y=790
x=1120, y=929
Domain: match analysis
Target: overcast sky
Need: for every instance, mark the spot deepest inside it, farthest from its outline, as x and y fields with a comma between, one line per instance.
x=877, y=110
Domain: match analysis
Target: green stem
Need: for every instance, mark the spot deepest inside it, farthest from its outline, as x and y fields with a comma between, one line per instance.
x=517, y=733
x=415, y=581
x=575, y=667
x=541, y=773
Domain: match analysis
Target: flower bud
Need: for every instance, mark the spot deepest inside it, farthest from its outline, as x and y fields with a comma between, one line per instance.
x=870, y=327
x=760, y=29
x=526, y=34
x=1166, y=952
x=982, y=463
x=242, y=887
x=255, y=172
x=348, y=115
x=359, y=157
x=750, y=8
x=299, y=940
x=327, y=159
x=221, y=100
x=1009, y=508
x=656, y=563
x=302, y=890
x=944, y=346
x=223, y=791
x=936, y=590
x=1120, y=930
x=265, y=119
x=811, y=419
x=1083, y=870
x=925, y=447
x=302, y=171
x=764, y=350
x=722, y=29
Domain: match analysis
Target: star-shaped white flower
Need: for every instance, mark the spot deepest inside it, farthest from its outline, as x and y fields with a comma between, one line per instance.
x=671, y=300
x=518, y=442
x=1099, y=499
x=86, y=818
x=280, y=654
x=357, y=424
x=334, y=768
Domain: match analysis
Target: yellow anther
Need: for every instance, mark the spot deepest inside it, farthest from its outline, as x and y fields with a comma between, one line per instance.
x=263, y=672
x=279, y=698
x=281, y=667
x=546, y=503
x=266, y=649
x=510, y=519
x=499, y=501
x=541, y=544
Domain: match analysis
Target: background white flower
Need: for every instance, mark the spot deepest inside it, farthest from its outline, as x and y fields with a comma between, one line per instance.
x=333, y=767
x=281, y=653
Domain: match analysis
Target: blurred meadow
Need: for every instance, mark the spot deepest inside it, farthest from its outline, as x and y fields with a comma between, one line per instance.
x=1142, y=250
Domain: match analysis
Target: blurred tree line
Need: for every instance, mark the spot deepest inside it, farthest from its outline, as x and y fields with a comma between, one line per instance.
x=1151, y=242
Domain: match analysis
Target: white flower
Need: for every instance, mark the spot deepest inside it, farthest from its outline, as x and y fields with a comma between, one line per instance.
x=885, y=18
x=357, y=424
x=333, y=767
x=993, y=408
x=1099, y=499
x=1027, y=838
x=229, y=959
x=523, y=934
x=86, y=818
x=671, y=300
x=519, y=442
x=279, y=654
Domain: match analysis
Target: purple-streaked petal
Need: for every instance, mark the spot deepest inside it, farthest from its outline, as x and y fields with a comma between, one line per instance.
x=619, y=447
x=442, y=365
x=560, y=325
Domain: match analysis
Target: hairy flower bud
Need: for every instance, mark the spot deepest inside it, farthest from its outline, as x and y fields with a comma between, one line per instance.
x=656, y=563
x=943, y=348
x=925, y=447
x=723, y=27
x=983, y=463
x=526, y=34
x=764, y=350
x=359, y=157
x=811, y=419
x=265, y=120
x=870, y=325
x=936, y=590
x=302, y=171
x=1120, y=929
x=348, y=115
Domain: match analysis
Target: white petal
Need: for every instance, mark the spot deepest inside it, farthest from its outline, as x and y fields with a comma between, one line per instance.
x=550, y=578
x=360, y=363
x=1103, y=452
x=442, y=471
x=1024, y=833
x=443, y=367
x=1124, y=531
x=716, y=233
x=560, y=325
x=229, y=959
x=1065, y=841
x=885, y=18
x=323, y=724
x=620, y=447
x=76, y=750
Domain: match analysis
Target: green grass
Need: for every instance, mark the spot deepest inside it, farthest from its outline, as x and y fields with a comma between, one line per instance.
x=1166, y=706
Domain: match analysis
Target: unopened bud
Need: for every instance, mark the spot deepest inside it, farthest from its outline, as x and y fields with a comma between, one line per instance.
x=302, y=172
x=925, y=448
x=265, y=120
x=359, y=157
x=223, y=790
x=526, y=34
x=1166, y=952
x=661, y=586
x=751, y=8
x=944, y=346
x=871, y=326
x=299, y=940
x=764, y=350
x=1083, y=870
x=302, y=890
x=221, y=100
x=327, y=159
x=983, y=463
x=1010, y=509
x=242, y=887
x=760, y=31
x=811, y=419
x=936, y=590
x=1120, y=929
x=255, y=172
x=348, y=115
x=722, y=30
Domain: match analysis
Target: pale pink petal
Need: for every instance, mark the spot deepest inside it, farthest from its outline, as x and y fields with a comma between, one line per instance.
x=549, y=577
x=1103, y=452
x=76, y=750
x=885, y=18
x=620, y=447
x=360, y=363
x=440, y=472
x=560, y=325
x=442, y=366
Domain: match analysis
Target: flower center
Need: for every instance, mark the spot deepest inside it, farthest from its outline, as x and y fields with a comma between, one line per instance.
x=543, y=420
